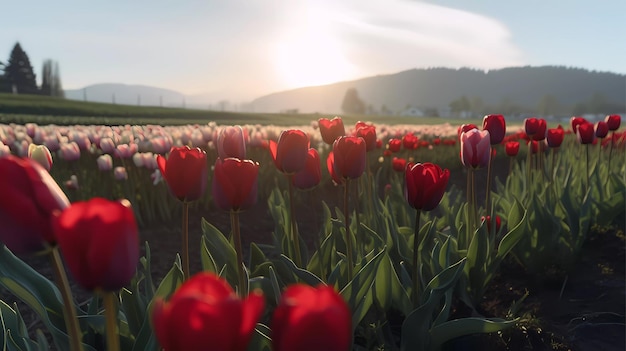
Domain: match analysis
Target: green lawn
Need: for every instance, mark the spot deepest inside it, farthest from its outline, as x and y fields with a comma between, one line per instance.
x=49, y=110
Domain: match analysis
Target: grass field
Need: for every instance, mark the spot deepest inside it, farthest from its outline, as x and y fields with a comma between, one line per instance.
x=49, y=110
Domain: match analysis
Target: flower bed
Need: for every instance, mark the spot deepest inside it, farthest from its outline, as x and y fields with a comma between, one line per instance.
x=400, y=274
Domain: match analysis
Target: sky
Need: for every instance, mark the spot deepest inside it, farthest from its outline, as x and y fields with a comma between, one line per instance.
x=242, y=49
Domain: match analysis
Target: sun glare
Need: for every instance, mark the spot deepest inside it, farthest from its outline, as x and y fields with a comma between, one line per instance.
x=310, y=55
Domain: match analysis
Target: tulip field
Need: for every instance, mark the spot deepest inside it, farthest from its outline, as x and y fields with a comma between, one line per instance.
x=325, y=236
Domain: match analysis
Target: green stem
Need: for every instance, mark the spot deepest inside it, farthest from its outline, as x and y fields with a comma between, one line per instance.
x=608, y=173
x=416, y=260
x=234, y=223
x=185, y=240
x=69, y=313
x=348, y=235
x=294, y=226
x=488, y=188
x=529, y=166
x=110, y=314
x=587, y=159
x=357, y=235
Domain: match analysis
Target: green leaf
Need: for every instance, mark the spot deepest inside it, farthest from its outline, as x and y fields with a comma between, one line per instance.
x=145, y=339
x=388, y=289
x=465, y=326
x=261, y=340
x=37, y=292
x=306, y=276
x=222, y=252
x=354, y=292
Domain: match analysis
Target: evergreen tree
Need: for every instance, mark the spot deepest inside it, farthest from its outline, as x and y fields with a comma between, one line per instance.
x=3, y=84
x=50, y=79
x=19, y=72
x=352, y=103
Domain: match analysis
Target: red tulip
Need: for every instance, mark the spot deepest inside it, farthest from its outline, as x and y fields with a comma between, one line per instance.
x=311, y=319
x=602, y=129
x=234, y=185
x=576, y=121
x=613, y=121
x=368, y=133
x=231, y=142
x=535, y=128
x=185, y=172
x=585, y=133
x=425, y=184
x=475, y=148
x=410, y=141
x=398, y=164
x=99, y=240
x=395, y=145
x=496, y=126
x=29, y=198
x=311, y=175
x=205, y=313
x=349, y=157
x=331, y=129
x=290, y=152
x=330, y=164
x=488, y=219
x=555, y=136
x=511, y=148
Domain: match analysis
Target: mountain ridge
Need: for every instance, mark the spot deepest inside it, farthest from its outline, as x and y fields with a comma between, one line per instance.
x=438, y=87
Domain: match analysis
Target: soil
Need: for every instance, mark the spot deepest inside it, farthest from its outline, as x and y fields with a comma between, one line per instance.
x=580, y=311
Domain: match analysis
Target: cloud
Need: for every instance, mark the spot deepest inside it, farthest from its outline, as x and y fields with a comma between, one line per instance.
x=398, y=34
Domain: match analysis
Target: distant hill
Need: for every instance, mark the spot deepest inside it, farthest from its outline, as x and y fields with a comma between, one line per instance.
x=436, y=88
x=127, y=95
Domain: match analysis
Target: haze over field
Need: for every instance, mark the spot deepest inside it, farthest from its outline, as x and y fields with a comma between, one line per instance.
x=240, y=50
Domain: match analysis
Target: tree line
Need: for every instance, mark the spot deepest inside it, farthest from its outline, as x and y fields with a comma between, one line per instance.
x=18, y=77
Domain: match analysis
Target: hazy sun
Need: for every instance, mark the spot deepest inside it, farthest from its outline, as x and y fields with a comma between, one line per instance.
x=310, y=55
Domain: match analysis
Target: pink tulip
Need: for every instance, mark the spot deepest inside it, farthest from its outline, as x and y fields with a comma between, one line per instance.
x=231, y=143
x=475, y=148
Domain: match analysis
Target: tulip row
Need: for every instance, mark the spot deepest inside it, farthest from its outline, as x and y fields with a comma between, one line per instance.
x=376, y=254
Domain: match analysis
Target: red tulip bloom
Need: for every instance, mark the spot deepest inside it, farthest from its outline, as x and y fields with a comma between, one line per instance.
x=205, y=313
x=368, y=133
x=398, y=164
x=349, y=157
x=555, y=136
x=511, y=148
x=331, y=129
x=311, y=175
x=99, y=240
x=410, y=141
x=602, y=129
x=613, y=121
x=489, y=221
x=425, y=184
x=330, y=164
x=496, y=126
x=231, y=142
x=290, y=152
x=576, y=121
x=585, y=133
x=395, y=145
x=311, y=319
x=234, y=185
x=29, y=198
x=475, y=148
x=535, y=128
x=185, y=172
